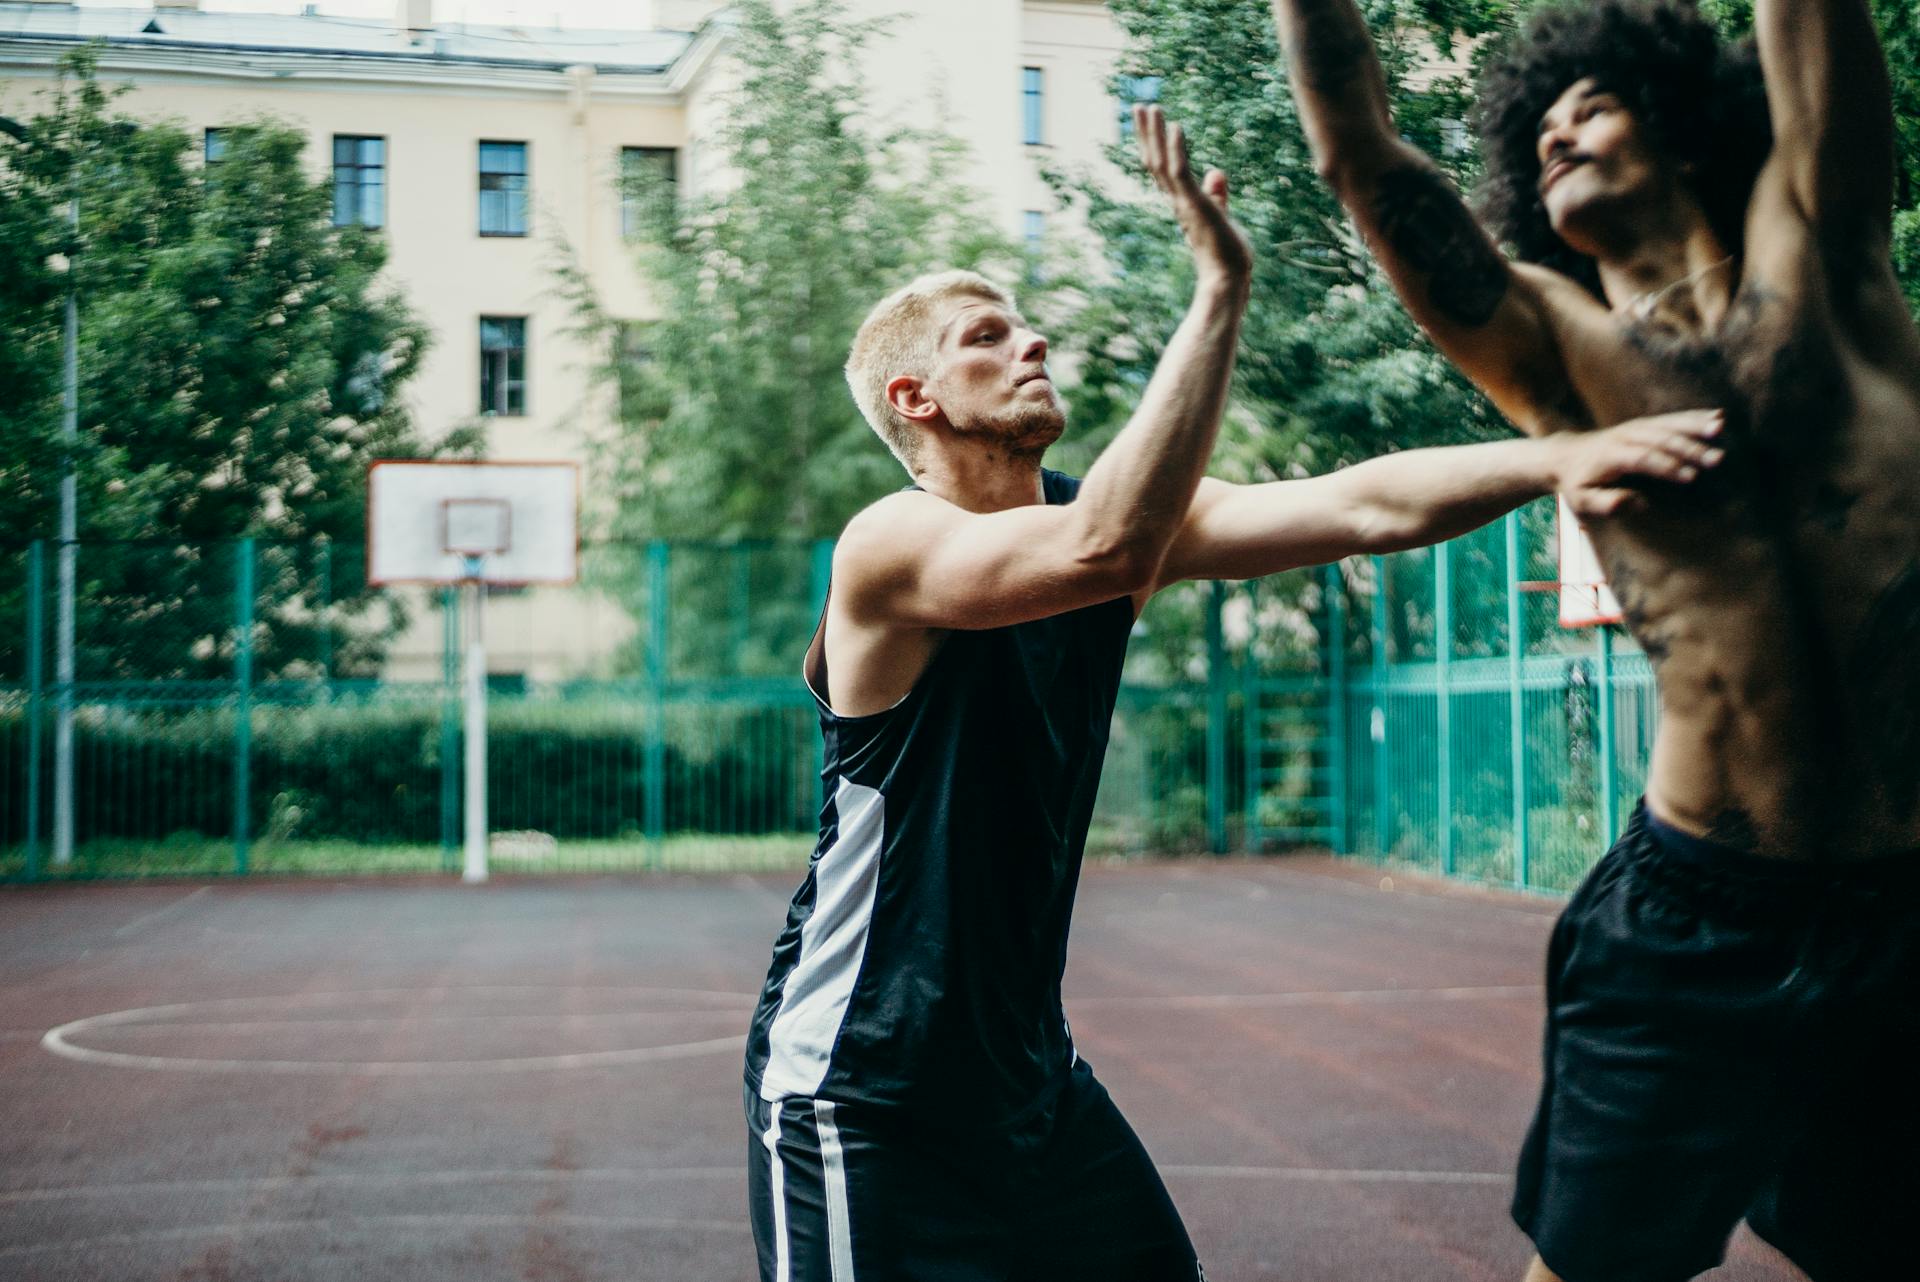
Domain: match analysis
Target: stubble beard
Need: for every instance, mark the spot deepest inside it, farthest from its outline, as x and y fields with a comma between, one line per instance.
x=1023, y=429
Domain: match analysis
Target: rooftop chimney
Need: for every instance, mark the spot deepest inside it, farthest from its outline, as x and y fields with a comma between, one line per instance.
x=414, y=18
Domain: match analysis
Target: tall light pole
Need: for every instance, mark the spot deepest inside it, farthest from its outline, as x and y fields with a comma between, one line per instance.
x=69, y=527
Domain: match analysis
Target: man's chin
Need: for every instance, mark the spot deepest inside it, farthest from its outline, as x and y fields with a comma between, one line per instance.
x=1029, y=430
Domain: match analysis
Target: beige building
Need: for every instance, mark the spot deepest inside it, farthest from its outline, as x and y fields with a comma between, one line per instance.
x=479, y=150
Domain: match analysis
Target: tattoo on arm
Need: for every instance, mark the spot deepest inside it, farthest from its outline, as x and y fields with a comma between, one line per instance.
x=1333, y=44
x=1426, y=224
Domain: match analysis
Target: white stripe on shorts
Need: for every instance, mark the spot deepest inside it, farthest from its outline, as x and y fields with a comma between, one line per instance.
x=782, y=1263
x=839, y=1223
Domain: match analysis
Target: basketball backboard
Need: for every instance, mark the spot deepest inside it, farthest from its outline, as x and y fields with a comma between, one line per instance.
x=429, y=522
x=1585, y=599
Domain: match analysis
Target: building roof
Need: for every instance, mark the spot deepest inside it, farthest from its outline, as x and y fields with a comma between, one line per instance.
x=629, y=52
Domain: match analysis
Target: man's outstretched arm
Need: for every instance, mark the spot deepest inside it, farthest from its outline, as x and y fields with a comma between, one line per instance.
x=1417, y=497
x=1486, y=316
x=1832, y=109
x=917, y=561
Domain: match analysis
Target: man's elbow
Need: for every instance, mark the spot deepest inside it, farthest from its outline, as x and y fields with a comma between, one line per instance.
x=1379, y=529
x=1122, y=567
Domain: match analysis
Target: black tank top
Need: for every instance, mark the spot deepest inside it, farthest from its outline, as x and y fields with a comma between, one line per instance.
x=922, y=955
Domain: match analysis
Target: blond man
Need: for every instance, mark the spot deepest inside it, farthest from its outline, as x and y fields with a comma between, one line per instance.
x=916, y=1107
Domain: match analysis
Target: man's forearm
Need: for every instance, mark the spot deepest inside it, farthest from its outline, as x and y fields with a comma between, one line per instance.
x=1423, y=496
x=1137, y=494
x=1336, y=78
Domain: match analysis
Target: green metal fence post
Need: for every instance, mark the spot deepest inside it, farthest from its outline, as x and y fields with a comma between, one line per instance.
x=1336, y=642
x=1443, y=694
x=1250, y=836
x=656, y=755
x=1382, y=815
x=326, y=615
x=1517, y=703
x=36, y=689
x=822, y=579
x=242, y=699
x=1218, y=678
x=450, y=712
x=1609, y=801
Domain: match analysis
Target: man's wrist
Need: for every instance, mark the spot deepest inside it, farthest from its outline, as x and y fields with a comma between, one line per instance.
x=1219, y=284
x=1556, y=458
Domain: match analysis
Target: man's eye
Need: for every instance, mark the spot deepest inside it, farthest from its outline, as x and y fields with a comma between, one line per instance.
x=988, y=337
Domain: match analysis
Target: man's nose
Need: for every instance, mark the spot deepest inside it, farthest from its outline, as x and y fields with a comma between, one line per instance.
x=1032, y=348
x=1555, y=140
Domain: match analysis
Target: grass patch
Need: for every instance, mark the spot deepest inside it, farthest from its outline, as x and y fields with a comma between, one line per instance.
x=199, y=857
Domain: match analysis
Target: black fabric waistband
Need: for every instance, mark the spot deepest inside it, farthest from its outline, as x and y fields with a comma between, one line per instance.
x=1707, y=869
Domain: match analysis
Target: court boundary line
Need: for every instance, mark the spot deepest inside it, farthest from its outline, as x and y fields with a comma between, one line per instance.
x=640, y=1174
x=258, y=1228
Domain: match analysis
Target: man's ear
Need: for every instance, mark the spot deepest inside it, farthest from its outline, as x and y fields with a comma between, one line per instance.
x=908, y=397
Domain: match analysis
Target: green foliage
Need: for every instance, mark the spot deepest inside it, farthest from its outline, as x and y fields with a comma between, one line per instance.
x=371, y=772
x=239, y=366
x=738, y=422
x=1331, y=369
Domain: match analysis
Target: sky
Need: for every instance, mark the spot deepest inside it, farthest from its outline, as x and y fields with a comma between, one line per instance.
x=602, y=14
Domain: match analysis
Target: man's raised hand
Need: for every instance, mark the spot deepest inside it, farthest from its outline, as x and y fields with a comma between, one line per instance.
x=1220, y=249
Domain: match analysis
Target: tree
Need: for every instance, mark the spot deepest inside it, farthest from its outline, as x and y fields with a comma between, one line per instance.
x=239, y=367
x=1331, y=369
x=738, y=422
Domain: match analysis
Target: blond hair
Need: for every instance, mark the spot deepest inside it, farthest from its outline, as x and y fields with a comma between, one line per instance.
x=901, y=337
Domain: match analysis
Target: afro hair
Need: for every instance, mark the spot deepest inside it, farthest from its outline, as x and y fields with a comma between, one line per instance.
x=1701, y=101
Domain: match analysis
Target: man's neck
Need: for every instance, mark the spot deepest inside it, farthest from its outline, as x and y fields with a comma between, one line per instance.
x=1684, y=280
x=986, y=479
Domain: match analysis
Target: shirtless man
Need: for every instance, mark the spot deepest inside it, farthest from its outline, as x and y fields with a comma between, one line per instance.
x=916, y=1108
x=1727, y=989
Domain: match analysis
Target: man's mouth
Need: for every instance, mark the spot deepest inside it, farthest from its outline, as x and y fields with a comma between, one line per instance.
x=1556, y=170
x=1036, y=376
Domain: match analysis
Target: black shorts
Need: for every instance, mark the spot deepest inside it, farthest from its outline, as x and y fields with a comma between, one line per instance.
x=1727, y=1037
x=841, y=1193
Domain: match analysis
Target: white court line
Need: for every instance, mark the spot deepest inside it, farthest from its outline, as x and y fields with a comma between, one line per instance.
x=56, y=1042
x=256, y=1228
x=1353, y=997
x=158, y=913
x=1316, y=1175
x=335, y=1025
x=409, y=1179
x=618, y=1175
x=59, y=1041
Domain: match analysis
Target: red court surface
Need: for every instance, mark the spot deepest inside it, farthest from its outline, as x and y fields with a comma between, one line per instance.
x=538, y=1081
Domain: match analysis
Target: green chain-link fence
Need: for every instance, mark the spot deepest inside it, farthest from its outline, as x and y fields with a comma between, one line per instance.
x=251, y=707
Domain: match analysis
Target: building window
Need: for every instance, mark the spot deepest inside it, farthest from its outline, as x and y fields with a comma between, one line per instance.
x=503, y=365
x=1033, y=88
x=1134, y=89
x=633, y=343
x=503, y=189
x=640, y=169
x=215, y=148
x=359, y=181
x=1033, y=232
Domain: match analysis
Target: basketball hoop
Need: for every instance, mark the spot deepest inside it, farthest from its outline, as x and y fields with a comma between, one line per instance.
x=473, y=524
